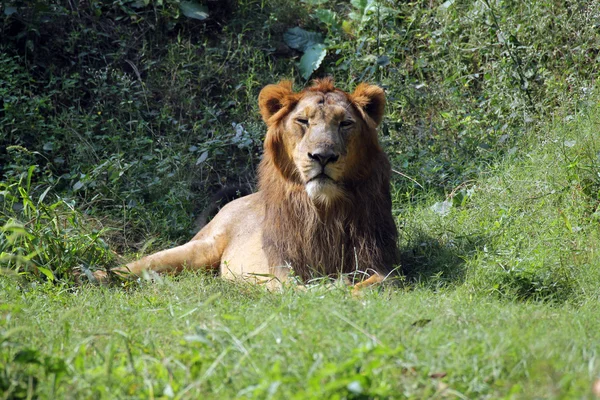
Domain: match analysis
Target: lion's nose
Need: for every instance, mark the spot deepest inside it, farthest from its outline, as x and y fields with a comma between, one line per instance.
x=324, y=157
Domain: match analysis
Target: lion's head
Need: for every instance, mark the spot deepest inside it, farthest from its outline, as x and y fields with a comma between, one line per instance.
x=325, y=180
x=322, y=138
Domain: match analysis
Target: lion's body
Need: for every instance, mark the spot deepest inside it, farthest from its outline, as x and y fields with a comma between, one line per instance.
x=323, y=205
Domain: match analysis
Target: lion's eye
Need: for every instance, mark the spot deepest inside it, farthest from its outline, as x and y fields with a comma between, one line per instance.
x=346, y=123
x=302, y=121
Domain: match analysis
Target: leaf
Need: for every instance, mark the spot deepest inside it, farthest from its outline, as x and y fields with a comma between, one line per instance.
x=140, y=3
x=328, y=17
x=362, y=7
x=360, y=4
x=442, y=207
x=55, y=365
x=9, y=10
x=300, y=39
x=311, y=60
x=43, y=195
x=382, y=61
x=29, y=175
x=447, y=4
x=202, y=158
x=191, y=9
x=197, y=339
x=420, y=323
x=567, y=222
x=355, y=387
x=78, y=185
x=168, y=391
x=47, y=273
x=27, y=356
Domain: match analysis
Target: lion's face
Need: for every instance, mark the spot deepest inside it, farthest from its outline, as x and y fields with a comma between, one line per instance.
x=321, y=132
x=321, y=138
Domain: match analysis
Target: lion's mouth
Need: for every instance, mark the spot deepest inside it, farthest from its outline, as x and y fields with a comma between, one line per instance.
x=322, y=188
x=322, y=177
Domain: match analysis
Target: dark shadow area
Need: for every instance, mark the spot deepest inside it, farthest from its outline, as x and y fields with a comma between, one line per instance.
x=218, y=200
x=432, y=261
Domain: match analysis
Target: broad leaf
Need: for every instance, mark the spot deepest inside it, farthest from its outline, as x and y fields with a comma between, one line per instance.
x=9, y=10
x=329, y=18
x=300, y=39
x=311, y=60
x=382, y=61
x=191, y=9
x=47, y=273
x=140, y=3
x=78, y=185
x=202, y=158
x=442, y=207
x=447, y=4
x=27, y=356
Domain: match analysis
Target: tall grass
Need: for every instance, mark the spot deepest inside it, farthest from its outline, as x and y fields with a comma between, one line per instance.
x=526, y=229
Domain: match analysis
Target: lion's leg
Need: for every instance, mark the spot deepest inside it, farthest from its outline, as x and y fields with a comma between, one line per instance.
x=207, y=248
x=196, y=254
x=370, y=281
x=192, y=255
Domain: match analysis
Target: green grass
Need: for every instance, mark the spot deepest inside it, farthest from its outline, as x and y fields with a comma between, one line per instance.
x=500, y=300
x=197, y=337
x=527, y=229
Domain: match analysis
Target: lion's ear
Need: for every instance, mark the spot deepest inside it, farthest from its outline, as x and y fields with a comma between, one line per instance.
x=371, y=99
x=273, y=98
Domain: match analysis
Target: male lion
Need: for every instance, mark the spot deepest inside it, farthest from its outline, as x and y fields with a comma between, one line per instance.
x=323, y=205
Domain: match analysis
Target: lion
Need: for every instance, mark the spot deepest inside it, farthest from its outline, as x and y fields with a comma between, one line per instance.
x=323, y=207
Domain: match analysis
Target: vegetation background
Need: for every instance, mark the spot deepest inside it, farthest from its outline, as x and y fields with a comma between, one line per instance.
x=120, y=118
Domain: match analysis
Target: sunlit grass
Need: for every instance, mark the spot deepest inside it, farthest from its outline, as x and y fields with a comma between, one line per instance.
x=499, y=301
x=200, y=337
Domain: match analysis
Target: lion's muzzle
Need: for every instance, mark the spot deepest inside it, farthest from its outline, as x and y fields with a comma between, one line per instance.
x=324, y=156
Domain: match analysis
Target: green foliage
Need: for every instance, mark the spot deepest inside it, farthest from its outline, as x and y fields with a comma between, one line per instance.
x=48, y=240
x=354, y=378
x=135, y=113
x=194, y=10
x=109, y=139
x=528, y=231
x=312, y=59
x=464, y=79
x=311, y=44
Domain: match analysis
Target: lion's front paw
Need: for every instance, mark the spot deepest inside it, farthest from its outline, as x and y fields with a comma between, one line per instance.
x=99, y=276
x=374, y=279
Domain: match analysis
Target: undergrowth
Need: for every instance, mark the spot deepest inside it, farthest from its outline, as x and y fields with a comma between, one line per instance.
x=47, y=240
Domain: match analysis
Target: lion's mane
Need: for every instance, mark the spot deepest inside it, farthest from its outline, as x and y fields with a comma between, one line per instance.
x=356, y=233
